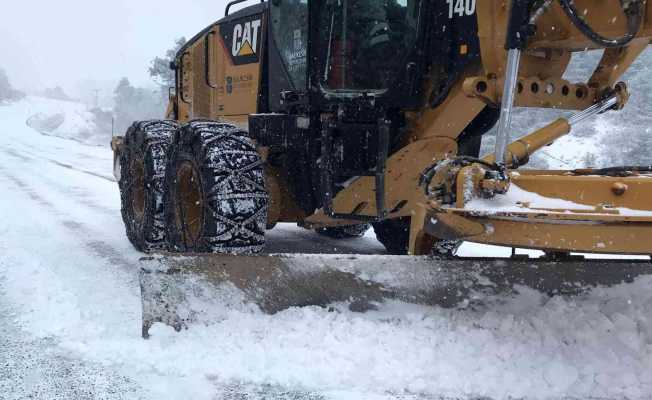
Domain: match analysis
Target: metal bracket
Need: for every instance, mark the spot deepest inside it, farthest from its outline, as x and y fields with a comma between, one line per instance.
x=378, y=173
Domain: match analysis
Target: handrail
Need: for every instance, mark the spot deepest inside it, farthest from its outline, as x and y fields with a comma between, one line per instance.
x=181, y=91
x=234, y=2
x=207, y=60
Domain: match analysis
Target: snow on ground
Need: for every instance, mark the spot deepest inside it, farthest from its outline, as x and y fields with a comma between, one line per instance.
x=65, y=119
x=70, y=318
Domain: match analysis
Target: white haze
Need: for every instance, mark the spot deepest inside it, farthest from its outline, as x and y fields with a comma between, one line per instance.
x=82, y=43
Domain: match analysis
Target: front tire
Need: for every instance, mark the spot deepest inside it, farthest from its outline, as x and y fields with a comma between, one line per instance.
x=215, y=199
x=394, y=234
x=142, y=176
x=344, y=232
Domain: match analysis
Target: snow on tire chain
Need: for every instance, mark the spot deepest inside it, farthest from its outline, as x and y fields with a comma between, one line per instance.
x=70, y=314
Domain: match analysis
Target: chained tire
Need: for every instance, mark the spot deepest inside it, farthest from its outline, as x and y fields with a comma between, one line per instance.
x=394, y=234
x=142, y=178
x=446, y=249
x=215, y=198
x=344, y=232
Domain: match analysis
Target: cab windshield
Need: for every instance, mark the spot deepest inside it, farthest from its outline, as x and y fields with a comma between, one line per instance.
x=365, y=43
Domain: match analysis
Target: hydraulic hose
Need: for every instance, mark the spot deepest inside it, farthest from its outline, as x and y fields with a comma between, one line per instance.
x=429, y=174
x=634, y=11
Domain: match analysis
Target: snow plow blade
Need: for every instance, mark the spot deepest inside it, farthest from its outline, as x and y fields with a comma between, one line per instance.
x=180, y=290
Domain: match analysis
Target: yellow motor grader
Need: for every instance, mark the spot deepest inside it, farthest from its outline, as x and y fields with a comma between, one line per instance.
x=340, y=114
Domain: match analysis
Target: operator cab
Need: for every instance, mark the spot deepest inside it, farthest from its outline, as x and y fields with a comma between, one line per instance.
x=363, y=48
x=342, y=75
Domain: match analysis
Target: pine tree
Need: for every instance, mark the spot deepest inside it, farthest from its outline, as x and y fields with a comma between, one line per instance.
x=135, y=104
x=159, y=68
x=56, y=93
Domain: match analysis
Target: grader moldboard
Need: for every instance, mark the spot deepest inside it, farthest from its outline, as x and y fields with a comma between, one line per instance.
x=340, y=114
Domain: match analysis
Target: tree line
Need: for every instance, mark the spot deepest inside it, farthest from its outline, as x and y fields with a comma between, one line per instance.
x=134, y=103
x=7, y=92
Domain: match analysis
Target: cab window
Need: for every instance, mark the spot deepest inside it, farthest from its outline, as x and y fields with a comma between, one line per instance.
x=290, y=29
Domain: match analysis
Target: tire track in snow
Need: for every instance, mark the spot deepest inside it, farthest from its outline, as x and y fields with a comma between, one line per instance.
x=80, y=195
x=22, y=157
x=28, y=191
x=15, y=154
x=91, y=173
x=44, y=372
x=98, y=247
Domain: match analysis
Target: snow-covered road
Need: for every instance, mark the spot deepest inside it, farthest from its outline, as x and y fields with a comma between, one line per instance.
x=70, y=315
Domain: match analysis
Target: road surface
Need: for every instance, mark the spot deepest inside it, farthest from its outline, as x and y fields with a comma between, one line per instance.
x=70, y=315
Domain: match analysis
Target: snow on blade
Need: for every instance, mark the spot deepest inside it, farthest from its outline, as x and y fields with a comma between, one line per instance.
x=518, y=200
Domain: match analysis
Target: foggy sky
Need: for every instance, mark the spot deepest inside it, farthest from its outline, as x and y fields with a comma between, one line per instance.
x=44, y=43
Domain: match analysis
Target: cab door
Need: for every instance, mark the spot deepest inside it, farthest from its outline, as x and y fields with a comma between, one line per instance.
x=235, y=50
x=288, y=48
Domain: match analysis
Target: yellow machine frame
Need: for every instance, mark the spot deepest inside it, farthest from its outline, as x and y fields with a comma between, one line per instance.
x=434, y=132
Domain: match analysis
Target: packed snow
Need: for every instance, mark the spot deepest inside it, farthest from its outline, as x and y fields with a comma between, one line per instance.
x=517, y=200
x=70, y=314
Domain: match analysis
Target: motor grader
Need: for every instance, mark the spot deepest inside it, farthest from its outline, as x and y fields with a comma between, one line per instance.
x=337, y=114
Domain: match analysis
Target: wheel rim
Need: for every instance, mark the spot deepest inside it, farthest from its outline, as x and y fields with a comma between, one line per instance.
x=189, y=210
x=137, y=171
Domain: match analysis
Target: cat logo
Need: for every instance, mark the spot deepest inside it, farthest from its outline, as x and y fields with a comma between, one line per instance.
x=244, y=38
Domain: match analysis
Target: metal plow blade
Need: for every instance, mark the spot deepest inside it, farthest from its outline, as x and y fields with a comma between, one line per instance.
x=178, y=291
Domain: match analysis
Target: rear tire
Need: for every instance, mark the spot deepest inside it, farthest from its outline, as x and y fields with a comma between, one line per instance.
x=344, y=232
x=215, y=199
x=142, y=166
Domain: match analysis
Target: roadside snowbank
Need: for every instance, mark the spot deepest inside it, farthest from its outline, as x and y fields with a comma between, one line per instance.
x=65, y=119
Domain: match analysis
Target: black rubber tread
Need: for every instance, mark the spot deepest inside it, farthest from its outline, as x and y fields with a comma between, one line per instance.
x=147, y=141
x=394, y=234
x=344, y=232
x=233, y=195
x=446, y=249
